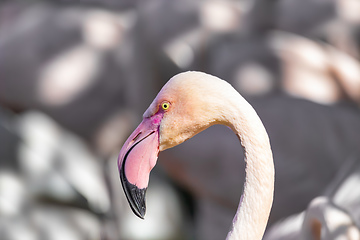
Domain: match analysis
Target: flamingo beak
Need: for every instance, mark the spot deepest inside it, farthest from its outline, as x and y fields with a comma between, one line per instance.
x=136, y=159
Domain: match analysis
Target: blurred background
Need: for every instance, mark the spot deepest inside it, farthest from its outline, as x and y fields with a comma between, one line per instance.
x=76, y=76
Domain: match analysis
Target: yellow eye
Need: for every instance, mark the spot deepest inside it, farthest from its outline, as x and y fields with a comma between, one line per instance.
x=165, y=105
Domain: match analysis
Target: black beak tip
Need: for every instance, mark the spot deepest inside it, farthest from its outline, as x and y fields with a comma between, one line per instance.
x=137, y=202
x=135, y=196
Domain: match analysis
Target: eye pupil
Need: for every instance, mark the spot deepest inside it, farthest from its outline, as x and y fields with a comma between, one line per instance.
x=165, y=106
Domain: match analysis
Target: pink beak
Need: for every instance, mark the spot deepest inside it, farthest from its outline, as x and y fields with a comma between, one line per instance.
x=136, y=159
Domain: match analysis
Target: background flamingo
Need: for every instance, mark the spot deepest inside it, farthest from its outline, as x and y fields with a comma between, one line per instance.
x=334, y=215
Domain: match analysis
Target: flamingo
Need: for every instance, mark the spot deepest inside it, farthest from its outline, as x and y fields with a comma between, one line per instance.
x=189, y=103
x=324, y=220
x=332, y=216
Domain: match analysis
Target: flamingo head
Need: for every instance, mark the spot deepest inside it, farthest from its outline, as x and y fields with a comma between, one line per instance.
x=177, y=113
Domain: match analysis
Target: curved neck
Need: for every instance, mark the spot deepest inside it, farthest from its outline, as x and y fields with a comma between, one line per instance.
x=255, y=204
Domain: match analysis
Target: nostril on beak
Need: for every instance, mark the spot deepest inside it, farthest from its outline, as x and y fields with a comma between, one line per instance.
x=137, y=136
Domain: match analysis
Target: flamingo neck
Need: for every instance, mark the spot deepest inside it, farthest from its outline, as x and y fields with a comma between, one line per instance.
x=255, y=204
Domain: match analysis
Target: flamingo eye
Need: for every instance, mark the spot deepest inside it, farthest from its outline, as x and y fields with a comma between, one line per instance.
x=165, y=105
